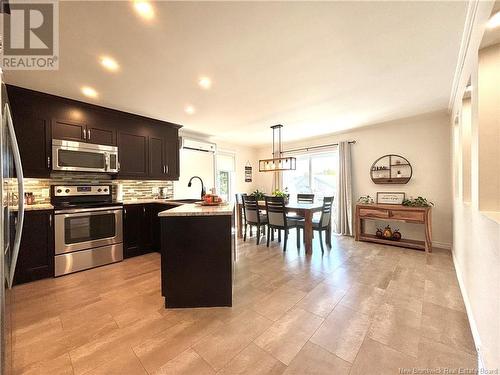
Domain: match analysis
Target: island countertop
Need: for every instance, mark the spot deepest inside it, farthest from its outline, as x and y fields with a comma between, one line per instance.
x=196, y=210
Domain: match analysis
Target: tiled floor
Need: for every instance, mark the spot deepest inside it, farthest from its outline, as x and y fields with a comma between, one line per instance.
x=359, y=309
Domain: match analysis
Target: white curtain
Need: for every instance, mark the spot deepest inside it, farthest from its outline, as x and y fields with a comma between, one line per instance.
x=344, y=191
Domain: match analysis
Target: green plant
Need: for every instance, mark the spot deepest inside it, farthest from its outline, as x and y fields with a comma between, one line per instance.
x=279, y=193
x=365, y=199
x=259, y=195
x=417, y=202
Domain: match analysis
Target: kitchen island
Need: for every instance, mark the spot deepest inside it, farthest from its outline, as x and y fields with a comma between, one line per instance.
x=197, y=255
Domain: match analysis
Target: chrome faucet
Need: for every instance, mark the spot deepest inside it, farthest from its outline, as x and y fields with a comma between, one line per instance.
x=203, y=191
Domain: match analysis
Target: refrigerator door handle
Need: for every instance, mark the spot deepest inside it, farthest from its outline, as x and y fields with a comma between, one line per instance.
x=20, y=195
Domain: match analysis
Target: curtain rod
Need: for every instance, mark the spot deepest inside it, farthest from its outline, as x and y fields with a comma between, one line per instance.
x=315, y=147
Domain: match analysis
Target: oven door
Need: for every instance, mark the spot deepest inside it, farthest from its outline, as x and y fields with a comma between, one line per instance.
x=81, y=229
x=83, y=157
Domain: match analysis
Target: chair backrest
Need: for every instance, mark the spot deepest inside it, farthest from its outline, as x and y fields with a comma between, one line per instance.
x=326, y=211
x=251, y=209
x=239, y=197
x=305, y=198
x=276, y=214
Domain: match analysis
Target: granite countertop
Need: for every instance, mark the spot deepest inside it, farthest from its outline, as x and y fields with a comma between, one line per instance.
x=34, y=207
x=195, y=210
x=152, y=200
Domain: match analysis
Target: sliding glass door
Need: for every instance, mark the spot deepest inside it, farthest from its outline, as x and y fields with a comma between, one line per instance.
x=315, y=173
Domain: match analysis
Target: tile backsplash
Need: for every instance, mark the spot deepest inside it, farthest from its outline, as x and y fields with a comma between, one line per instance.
x=131, y=189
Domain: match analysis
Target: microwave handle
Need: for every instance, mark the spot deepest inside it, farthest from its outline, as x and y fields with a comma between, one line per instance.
x=107, y=161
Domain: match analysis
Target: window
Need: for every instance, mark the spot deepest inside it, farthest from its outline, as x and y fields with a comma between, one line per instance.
x=315, y=173
x=225, y=173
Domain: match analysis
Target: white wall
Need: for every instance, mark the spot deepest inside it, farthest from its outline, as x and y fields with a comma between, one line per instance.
x=476, y=234
x=424, y=140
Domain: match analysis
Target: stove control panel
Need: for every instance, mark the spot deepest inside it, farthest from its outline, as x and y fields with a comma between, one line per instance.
x=78, y=190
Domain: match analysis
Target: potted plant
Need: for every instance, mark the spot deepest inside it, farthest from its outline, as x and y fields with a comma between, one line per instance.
x=417, y=202
x=259, y=195
x=284, y=194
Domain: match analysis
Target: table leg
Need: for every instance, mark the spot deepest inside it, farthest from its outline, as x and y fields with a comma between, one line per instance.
x=308, y=230
x=428, y=233
x=239, y=220
x=329, y=234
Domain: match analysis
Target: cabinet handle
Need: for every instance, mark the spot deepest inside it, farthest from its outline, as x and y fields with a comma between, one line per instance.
x=50, y=221
x=48, y=162
x=88, y=134
x=84, y=134
x=166, y=169
x=144, y=210
x=124, y=212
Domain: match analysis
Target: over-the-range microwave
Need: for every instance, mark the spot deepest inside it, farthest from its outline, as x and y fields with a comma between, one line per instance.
x=84, y=157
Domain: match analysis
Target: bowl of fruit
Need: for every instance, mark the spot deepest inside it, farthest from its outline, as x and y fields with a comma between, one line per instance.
x=211, y=200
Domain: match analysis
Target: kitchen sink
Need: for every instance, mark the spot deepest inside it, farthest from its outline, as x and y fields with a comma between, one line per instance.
x=184, y=200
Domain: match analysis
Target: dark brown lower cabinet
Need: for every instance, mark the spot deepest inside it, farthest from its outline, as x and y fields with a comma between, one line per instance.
x=36, y=253
x=141, y=228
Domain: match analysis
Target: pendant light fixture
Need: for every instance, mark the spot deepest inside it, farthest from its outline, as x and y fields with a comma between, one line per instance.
x=277, y=163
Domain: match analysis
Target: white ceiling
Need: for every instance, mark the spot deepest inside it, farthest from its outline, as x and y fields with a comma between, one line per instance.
x=317, y=67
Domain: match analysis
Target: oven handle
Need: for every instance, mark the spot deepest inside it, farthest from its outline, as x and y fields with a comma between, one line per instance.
x=89, y=211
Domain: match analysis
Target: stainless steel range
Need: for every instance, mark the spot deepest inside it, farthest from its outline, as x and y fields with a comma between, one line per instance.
x=88, y=227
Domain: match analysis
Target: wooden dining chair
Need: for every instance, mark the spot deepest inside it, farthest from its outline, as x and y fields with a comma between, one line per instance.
x=322, y=223
x=278, y=220
x=305, y=198
x=253, y=216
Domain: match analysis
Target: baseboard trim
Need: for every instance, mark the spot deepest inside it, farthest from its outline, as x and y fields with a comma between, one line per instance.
x=470, y=316
x=441, y=245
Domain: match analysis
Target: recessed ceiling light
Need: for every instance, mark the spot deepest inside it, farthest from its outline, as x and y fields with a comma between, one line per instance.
x=494, y=21
x=109, y=63
x=89, y=91
x=189, y=109
x=205, y=83
x=144, y=9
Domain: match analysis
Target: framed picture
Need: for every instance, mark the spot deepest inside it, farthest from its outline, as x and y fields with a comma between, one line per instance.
x=248, y=173
x=390, y=198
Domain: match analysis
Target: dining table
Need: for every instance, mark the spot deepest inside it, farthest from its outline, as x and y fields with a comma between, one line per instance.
x=305, y=210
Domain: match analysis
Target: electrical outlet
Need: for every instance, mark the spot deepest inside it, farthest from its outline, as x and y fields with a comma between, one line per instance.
x=45, y=192
x=155, y=190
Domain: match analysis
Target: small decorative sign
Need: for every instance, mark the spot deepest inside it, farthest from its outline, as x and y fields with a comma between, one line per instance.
x=390, y=198
x=248, y=172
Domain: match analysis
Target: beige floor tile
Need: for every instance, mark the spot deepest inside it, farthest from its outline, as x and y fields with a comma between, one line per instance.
x=253, y=360
x=377, y=359
x=166, y=345
x=313, y=360
x=449, y=296
x=186, y=363
x=447, y=326
x=432, y=354
x=223, y=344
x=363, y=298
x=287, y=336
x=343, y=332
x=278, y=302
x=396, y=327
x=322, y=299
x=124, y=363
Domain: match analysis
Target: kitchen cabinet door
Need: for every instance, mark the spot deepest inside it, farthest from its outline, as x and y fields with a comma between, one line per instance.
x=157, y=167
x=133, y=216
x=172, y=156
x=101, y=136
x=33, y=138
x=133, y=154
x=68, y=130
x=36, y=253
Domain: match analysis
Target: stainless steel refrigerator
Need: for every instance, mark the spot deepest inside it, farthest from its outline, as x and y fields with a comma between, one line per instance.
x=11, y=222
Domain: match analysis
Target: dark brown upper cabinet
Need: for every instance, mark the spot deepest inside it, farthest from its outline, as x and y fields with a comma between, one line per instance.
x=133, y=155
x=147, y=148
x=33, y=138
x=101, y=135
x=157, y=166
x=68, y=130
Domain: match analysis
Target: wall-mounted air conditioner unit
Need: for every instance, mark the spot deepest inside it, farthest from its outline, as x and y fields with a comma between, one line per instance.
x=194, y=144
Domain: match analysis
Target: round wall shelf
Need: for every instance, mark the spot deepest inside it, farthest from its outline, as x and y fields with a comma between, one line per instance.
x=391, y=169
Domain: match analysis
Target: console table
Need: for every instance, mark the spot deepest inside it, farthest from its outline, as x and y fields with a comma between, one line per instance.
x=390, y=212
